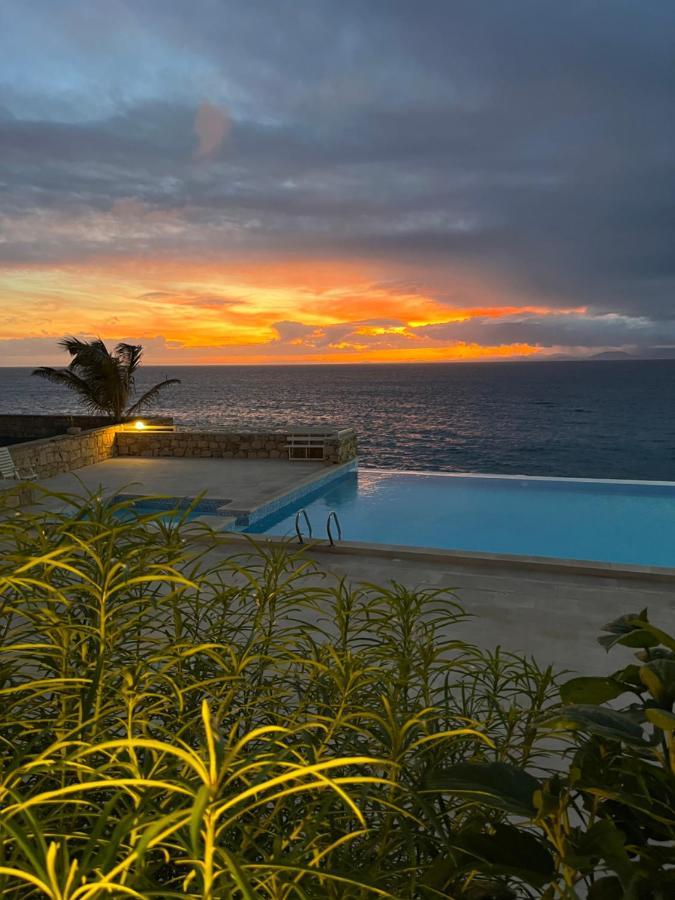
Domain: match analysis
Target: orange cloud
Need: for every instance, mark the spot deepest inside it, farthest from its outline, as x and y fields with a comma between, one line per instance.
x=334, y=311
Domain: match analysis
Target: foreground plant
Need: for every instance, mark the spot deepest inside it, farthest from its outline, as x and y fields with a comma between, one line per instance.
x=624, y=770
x=603, y=826
x=181, y=722
x=184, y=719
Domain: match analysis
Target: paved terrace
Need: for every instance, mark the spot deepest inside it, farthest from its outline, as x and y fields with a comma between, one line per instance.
x=242, y=484
x=554, y=616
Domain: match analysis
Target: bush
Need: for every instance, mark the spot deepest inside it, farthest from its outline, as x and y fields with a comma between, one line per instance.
x=613, y=814
x=180, y=722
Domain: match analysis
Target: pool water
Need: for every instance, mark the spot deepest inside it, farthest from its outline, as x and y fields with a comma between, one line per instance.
x=159, y=510
x=604, y=521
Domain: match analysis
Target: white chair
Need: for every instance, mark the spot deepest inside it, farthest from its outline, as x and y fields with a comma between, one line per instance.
x=9, y=470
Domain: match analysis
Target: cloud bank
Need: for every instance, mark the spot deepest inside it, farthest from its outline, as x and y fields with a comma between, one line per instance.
x=314, y=179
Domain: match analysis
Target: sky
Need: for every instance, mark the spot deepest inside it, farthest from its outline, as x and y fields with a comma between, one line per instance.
x=302, y=181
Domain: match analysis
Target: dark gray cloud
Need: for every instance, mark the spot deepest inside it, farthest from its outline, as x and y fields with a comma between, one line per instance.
x=531, y=140
x=568, y=330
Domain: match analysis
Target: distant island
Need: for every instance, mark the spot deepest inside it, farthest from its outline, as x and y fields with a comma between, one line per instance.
x=615, y=355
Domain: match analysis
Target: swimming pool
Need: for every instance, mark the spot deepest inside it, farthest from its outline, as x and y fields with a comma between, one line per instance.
x=603, y=521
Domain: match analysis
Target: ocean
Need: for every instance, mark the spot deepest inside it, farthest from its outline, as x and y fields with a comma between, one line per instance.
x=592, y=419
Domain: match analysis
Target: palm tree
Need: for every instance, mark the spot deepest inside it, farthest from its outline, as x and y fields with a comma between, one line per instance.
x=104, y=381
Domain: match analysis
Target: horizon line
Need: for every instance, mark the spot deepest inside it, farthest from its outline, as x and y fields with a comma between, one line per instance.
x=449, y=362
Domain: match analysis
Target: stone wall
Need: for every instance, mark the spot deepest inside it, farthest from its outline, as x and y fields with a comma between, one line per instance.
x=227, y=445
x=65, y=452
x=346, y=446
x=17, y=428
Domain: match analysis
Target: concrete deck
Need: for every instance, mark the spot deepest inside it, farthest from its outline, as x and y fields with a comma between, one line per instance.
x=554, y=616
x=243, y=483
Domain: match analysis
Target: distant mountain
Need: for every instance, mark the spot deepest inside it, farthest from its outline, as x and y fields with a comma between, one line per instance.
x=642, y=353
x=613, y=354
x=617, y=355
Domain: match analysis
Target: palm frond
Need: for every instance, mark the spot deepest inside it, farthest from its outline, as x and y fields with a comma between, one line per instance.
x=76, y=347
x=150, y=396
x=104, y=381
x=129, y=355
x=86, y=391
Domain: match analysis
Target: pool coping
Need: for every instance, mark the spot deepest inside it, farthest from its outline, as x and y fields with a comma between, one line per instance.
x=497, y=477
x=287, y=497
x=461, y=558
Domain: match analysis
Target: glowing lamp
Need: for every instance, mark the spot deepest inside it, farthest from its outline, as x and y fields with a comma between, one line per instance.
x=139, y=426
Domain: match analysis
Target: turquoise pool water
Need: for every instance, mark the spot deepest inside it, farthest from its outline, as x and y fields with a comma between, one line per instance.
x=621, y=522
x=163, y=510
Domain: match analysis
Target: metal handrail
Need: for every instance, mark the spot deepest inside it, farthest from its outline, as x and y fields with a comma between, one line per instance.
x=298, y=530
x=333, y=516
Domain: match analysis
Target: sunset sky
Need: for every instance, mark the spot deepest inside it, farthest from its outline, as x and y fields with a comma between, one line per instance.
x=277, y=181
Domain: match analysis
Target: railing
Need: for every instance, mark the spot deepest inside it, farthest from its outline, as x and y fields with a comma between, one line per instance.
x=333, y=517
x=298, y=530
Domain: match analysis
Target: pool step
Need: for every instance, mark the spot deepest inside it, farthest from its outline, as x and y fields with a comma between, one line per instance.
x=217, y=523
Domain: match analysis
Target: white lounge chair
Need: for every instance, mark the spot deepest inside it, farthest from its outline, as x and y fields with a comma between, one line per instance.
x=8, y=468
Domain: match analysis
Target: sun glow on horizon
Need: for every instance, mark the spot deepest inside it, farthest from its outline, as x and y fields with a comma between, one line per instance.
x=198, y=312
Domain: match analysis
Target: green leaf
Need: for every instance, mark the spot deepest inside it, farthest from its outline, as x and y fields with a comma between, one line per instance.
x=590, y=690
x=602, y=841
x=659, y=677
x=608, y=888
x=662, y=719
x=200, y=804
x=635, y=637
x=630, y=631
x=512, y=852
x=607, y=723
x=497, y=785
x=660, y=636
x=629, y=676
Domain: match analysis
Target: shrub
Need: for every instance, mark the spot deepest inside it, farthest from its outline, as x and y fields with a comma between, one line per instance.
x=179, y=722
x=607, y=815
x=181, y=719
x=621, y=782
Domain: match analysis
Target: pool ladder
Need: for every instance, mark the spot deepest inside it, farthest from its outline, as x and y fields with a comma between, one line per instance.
x=302, y=513
x=331, y=521
x=333, y=517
